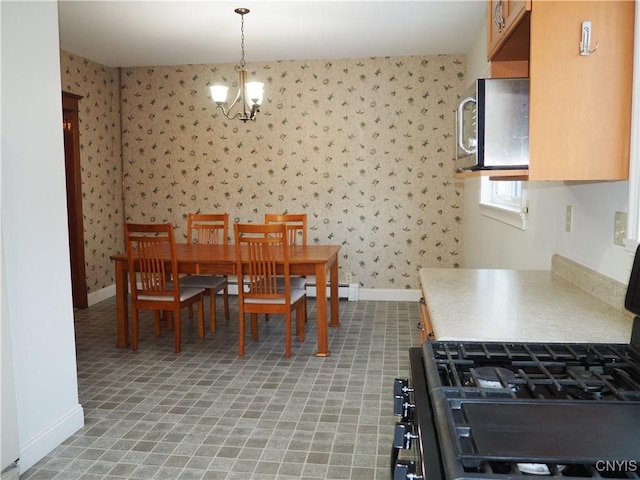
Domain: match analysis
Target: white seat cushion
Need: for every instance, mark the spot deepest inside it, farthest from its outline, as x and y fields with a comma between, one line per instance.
x=203, y=281
x=184, y=294
x=295, y=296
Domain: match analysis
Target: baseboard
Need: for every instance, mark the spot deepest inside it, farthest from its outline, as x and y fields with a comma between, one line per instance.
x=349, y=291
x=102, y=294
x=390, y=294
x=353, y=293
x=32, y=451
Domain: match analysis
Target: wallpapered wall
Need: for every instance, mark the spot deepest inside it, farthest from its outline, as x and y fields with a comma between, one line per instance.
x=102, y=207
x=363, y=146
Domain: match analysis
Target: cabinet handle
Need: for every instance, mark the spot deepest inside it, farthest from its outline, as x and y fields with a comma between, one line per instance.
x=585, y=44
x=498, y=18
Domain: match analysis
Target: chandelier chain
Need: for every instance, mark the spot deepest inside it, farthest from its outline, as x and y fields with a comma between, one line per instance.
x=249, y=96
x=242, y=62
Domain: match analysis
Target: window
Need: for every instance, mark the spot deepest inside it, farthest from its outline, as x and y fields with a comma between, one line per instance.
x=504, y=201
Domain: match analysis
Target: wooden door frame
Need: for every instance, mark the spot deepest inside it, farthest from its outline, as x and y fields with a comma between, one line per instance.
x=71, y=128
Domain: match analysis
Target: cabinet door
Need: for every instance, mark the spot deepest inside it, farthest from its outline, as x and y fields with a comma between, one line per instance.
x=580, y=110
x=496, y=23
x=515, y=11
x=504, y=17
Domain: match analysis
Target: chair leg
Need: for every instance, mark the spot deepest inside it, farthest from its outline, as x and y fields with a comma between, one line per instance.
x=241, y=334
x=254, y=326
x=304, y=308
x=287, y=351
x=157, y=314
x=300, y=320
x=212, y=310
x=226, y=302
x=190, y=311
x=201, y=318
x=177, y=332
x=135, y=329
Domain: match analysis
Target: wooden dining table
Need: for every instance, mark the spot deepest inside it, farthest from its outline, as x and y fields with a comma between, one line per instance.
x=314, y=260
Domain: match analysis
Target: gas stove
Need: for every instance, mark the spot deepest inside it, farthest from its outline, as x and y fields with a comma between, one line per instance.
x=509, y=410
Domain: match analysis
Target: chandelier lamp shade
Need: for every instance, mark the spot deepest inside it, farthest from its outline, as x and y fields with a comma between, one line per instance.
x=249, y=96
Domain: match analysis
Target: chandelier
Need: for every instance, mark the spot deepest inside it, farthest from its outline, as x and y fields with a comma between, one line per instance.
x=249, y=96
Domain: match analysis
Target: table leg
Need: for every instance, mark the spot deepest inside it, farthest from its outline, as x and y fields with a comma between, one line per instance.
x=321, y=307
x=335, y=314
x=121, y=305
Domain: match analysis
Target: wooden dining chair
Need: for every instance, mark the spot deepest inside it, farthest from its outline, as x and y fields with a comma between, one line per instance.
x=260, y=251
x=296, y=235
x=154, y=279
x=209, y=228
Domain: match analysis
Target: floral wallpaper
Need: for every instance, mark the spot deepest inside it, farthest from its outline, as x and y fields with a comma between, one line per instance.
x=100, y=160
x=363, y=146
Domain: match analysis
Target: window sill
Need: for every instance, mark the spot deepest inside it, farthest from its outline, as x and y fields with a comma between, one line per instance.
x=510, y=216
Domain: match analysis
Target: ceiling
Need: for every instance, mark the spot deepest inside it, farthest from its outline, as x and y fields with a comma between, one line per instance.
x=142, y=33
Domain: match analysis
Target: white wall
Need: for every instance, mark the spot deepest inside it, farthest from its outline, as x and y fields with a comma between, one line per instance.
x=36, y=272
x=489, y=243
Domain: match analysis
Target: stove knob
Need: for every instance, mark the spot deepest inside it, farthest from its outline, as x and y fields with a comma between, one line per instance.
x=402, y=407
x=401, y=387
x=405, y=470
x=402, y=435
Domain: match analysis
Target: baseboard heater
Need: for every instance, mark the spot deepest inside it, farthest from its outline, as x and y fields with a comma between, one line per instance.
x=347, y=291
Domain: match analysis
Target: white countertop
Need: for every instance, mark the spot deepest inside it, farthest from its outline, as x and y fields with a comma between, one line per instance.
x=517, y=306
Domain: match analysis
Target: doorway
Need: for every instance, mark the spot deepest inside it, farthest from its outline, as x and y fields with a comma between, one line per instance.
x=71, y=129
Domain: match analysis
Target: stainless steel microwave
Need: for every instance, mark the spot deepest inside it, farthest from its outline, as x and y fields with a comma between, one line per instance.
x=492, y=125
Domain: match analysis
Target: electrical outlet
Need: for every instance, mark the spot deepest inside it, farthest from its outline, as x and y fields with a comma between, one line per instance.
x=568, y=221
x=620, y=228
x=349, y=277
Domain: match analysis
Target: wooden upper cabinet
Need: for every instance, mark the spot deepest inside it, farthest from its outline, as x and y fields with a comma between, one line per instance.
x=580, y=105
x=503, y=17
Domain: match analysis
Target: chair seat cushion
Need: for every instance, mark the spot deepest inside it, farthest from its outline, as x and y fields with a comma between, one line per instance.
x=185, y=293
x=203, y=281
x=296, y=283
x=295, y=296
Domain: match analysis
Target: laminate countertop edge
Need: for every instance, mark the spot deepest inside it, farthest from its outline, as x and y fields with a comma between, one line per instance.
x=518, y=306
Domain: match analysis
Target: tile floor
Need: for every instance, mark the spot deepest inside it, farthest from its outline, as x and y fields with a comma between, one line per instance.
x=207, y=414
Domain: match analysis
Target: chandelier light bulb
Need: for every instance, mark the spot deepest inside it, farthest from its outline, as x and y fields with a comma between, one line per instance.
x=254, y=91
x=219, y=94
x=250, y=94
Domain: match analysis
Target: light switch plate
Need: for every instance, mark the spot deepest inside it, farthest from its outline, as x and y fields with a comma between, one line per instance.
x=620, y=228
x=568, y=221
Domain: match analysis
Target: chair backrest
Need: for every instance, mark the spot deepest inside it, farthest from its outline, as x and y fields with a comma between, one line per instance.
x=210, y=228
x=260, y=249
x=152, y=256
x=296, y=225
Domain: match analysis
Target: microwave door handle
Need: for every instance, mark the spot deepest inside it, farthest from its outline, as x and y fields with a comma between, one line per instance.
x=459, y=116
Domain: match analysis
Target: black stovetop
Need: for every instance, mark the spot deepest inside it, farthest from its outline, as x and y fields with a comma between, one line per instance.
x=573, y=409
x=536, y=371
